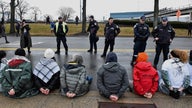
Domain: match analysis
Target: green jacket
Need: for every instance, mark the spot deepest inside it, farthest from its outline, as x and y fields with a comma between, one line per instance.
x=19, y=78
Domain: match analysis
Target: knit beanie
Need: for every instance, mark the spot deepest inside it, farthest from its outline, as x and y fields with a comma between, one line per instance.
x=142, y=57
x=111, y=57
x=20, y=52
x=77, y=59
x=190, y=57
x=49, y=53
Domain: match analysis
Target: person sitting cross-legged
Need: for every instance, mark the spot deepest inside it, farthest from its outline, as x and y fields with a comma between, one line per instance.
x=17, y=77
x=46, y=73
x=175, y=74
x=145, y=77
x=73, y=78
x=112, y=78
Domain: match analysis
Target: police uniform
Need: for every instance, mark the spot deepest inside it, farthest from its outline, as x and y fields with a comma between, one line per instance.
x=165, y=35
x=141, y=33
x=110, y=32
x=92, y=29
x=60, y=31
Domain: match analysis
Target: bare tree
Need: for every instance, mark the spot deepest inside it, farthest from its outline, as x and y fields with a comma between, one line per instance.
x=156, y=13
x=66, y=12
x=13, y=6
x=84, y=17
x=4, y=7
x=22, y=8
x=35, y=12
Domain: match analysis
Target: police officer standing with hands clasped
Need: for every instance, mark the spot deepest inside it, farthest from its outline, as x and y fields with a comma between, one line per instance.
x=111, y=30
x=92, y=29
x=141, y=33
x=60, y=31
x=163, y=35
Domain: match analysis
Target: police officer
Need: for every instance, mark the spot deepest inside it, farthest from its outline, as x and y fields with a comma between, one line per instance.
x=111, y=30
x=163, y=35
x=92, y=29
x=141, y=33
x=60, y=31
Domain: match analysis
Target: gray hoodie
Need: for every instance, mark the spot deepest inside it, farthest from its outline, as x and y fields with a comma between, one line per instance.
x=112, y=78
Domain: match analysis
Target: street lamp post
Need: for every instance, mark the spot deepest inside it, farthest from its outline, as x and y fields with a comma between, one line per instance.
x=80, y=10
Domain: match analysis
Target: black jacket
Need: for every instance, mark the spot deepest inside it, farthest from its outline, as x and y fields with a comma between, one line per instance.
x=164, y=33
x=111, y=31
x=141, y=32
x=93, y=27
x=60, y=31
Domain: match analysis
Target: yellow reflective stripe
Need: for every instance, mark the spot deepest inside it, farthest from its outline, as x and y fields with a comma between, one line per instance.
x=57, y=26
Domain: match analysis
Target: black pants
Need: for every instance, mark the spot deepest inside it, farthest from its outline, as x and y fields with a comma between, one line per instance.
x=107, y=43
x=64, y=41
x=92, y=40
x=159, y=48
x=189, y=32
x=139, y=46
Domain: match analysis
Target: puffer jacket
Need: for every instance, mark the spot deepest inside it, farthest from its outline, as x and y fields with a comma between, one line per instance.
x=112, y=78
x=17, y=75
x=145, y=78
x=73, y=79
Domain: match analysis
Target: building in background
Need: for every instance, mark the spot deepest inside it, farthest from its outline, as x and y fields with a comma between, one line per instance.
x=128, y=15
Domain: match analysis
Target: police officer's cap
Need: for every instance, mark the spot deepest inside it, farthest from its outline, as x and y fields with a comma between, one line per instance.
x=91, y=16
x=143, y=18
x=164, y=19
x=60, y=17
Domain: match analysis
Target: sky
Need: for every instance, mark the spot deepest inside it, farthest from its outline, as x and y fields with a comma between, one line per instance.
x=102, y=8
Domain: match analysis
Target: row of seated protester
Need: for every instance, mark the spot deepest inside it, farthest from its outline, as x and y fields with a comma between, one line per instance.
x=17, y=80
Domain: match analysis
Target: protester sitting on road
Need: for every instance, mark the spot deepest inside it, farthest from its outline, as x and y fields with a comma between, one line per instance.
x=175, y=74
x=73, y=78
x=112, y=78
x=46, y=73
x=189, y=89
x=145, y=77
x=3, y=63
x=17, y=77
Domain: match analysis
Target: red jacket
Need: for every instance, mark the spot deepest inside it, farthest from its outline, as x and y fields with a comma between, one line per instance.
x=145, y=78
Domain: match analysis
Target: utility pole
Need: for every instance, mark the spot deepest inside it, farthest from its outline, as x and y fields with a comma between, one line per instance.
x=156, y=13
x=84, y=17
x=80, y=11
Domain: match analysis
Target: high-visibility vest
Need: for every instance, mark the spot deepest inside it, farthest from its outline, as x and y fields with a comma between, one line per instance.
x=57, y=26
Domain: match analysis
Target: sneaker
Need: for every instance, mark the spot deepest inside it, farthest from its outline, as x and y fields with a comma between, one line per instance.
x=29, y=52
x=66, y=53
x=57, y=52
x=95, y=52
x=7, y=42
